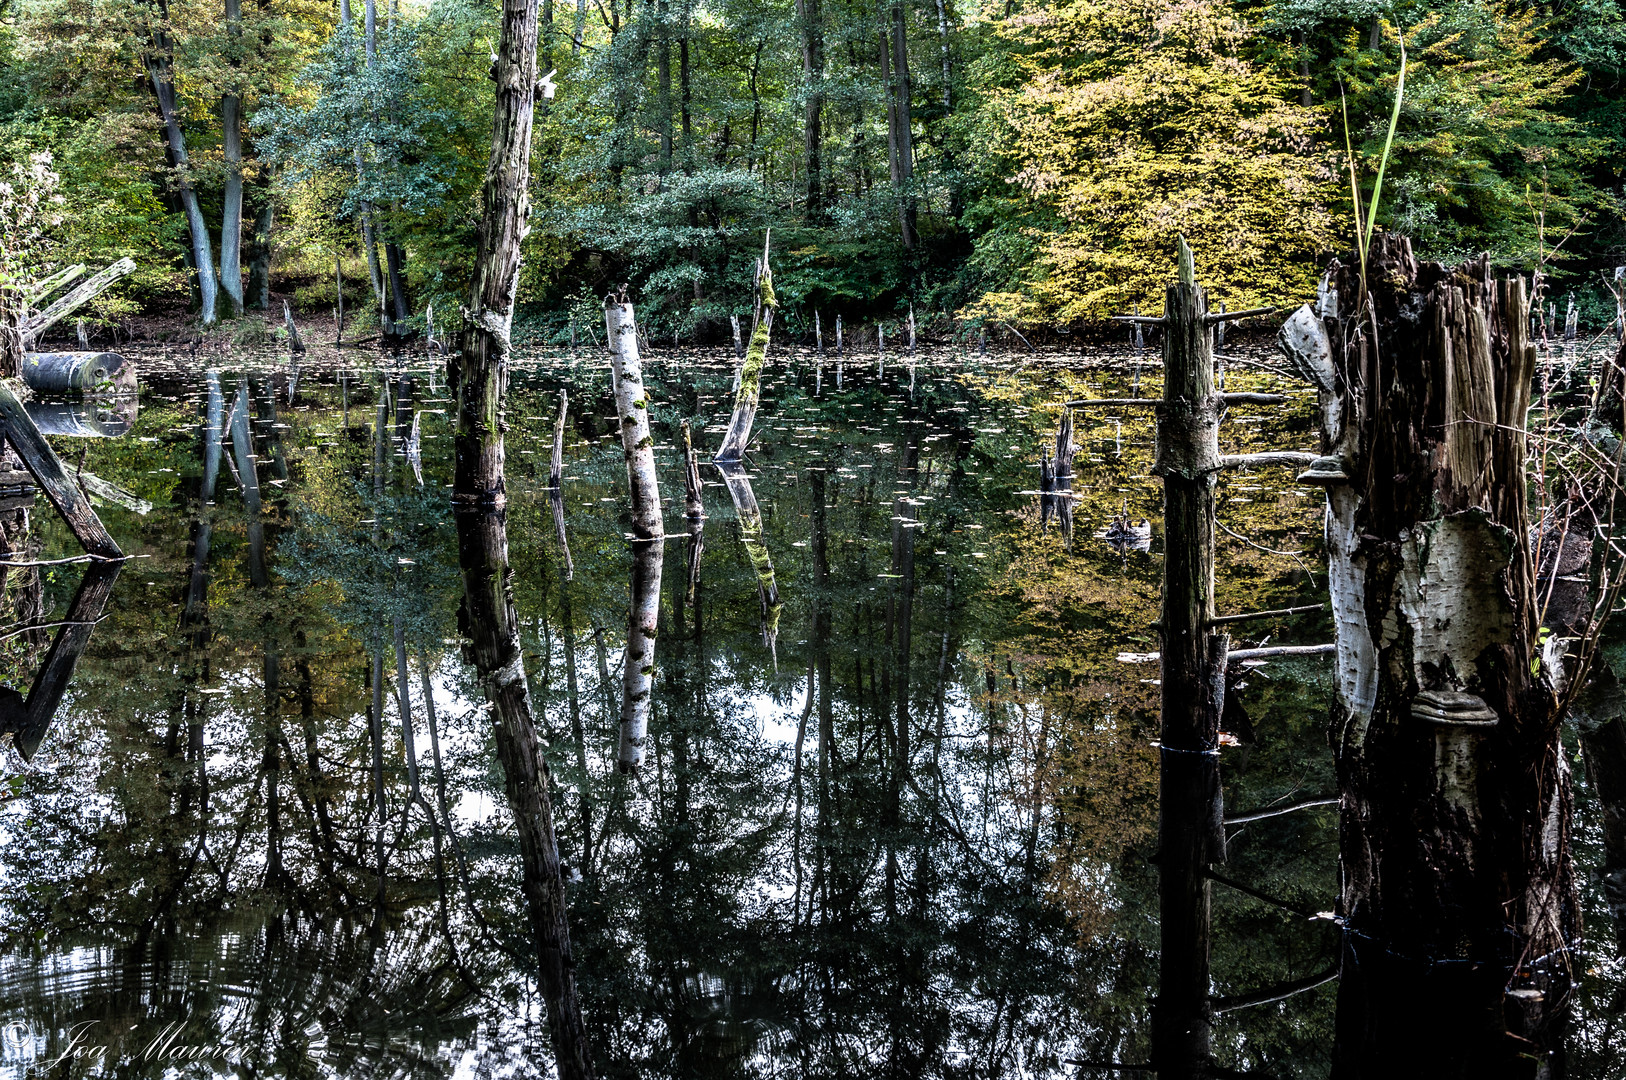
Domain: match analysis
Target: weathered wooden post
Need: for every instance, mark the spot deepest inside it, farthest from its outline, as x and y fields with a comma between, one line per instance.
x=1193, y=655
x=1457, y=887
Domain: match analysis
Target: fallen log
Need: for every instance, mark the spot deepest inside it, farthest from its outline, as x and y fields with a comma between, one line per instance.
x=78, y=372
x=77, y=297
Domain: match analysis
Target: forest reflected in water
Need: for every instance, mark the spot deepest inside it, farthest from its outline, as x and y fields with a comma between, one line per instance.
x=897, y=811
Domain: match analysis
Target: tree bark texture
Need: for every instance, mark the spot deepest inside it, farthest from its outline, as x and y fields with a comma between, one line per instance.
x=478, y=369
x=748, y=391
x=231, y=220
x=159, y=63
x=1457, y=885
x=810, y=17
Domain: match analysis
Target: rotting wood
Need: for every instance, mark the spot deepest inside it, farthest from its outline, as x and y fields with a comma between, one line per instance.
x=556, y=462
x=53, y=479
x=54, y=283
x=296, y=344
x=694, y=508
x=477, y=375
x=1454, y=853
x=83, y=293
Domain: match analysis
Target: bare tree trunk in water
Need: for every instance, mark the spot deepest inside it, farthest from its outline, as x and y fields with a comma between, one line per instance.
x=1190, y=833
x=1456, y=797
x=648, y=529
x=478, y=369
x=478, y=374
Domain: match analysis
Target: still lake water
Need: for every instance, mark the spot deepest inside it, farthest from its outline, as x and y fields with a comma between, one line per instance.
x=899, y=808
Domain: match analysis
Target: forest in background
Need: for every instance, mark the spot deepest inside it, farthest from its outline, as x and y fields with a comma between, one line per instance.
x=1027, y=162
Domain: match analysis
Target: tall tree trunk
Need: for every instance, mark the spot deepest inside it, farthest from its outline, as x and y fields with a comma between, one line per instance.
x=810, y=14
x=663, y=83
x=396, y=261
x=1455, y=791
x=943, y=43
x=257, y=296
x=904, y=142
x=231, y=222
x=478, y=371
x=685, y=34
x=160, y=67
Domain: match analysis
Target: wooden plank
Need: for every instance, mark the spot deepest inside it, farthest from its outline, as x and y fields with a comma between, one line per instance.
x=52, y=478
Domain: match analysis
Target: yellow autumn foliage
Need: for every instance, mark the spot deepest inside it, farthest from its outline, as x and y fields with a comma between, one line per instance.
x=1133, y=121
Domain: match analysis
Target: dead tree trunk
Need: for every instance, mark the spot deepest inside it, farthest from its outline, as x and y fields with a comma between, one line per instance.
x=1190, y=830
x=478, y=376
x=1456, y=878
x=478, y=370
x=632, y=405
x=749, y=390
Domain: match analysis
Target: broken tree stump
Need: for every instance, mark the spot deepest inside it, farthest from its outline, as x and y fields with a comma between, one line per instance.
x=1191, y=833
x=1456, y=880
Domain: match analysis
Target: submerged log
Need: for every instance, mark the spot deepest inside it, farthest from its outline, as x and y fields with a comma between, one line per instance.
x=1457, y=884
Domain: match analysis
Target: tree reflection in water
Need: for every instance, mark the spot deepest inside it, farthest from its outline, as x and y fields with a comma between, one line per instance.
x=920, y=846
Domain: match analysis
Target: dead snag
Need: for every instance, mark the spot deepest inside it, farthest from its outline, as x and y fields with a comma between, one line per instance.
x=1190, y=827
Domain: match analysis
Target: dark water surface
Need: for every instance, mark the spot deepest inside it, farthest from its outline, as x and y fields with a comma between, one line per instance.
x=898, y=808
